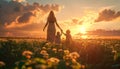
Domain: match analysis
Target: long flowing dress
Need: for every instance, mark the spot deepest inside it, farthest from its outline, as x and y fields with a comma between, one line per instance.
x=51, y=30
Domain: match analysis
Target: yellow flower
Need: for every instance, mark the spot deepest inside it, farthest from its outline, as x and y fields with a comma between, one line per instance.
x=60, y=50
x=48, y=44
x=40, y=66
x=43, y=52
x=2, y=63
x=27, y=54
x=66, y=57
x=44, y=48
x=74, y=55
x=54, y=49
x=66, y=52
x=54, y=60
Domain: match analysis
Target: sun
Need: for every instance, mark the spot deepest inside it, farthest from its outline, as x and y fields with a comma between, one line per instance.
x=83, y=30
x=84, y=36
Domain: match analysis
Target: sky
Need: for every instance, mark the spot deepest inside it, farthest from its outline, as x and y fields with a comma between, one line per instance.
x=28, y=17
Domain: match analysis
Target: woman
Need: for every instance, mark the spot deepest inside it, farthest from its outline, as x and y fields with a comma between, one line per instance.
x=51, y=30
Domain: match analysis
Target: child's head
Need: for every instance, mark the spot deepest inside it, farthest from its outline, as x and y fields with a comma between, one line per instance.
x=58, y=33
x=68, y=31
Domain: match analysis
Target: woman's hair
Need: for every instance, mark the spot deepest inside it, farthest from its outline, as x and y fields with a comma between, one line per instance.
x=51, y=16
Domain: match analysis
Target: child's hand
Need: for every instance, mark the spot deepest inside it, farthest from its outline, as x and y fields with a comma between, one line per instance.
x=61, y=31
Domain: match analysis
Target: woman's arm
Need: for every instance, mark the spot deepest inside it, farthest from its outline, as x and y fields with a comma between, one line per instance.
x=63, y=33
x=45, y=25
x=57, y=25
x=60, y=29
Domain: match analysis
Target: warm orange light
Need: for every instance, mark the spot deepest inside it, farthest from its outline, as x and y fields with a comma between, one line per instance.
x=83, y=30
x=84, y=36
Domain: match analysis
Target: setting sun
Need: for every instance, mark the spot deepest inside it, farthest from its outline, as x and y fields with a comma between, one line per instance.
x=83, y=30
x=84, y=36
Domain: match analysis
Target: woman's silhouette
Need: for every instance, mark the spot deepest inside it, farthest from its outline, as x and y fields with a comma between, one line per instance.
x=51, y=30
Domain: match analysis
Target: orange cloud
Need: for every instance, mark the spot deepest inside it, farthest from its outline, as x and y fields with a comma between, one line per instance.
x=107, y=15
x=19, y=0
x=80, y=24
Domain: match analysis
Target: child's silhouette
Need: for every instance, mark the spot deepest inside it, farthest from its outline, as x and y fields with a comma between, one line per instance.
x=58, y=38
x=68, y=37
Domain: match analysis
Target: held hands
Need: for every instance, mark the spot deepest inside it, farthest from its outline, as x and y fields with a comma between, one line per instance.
x=43, y=29
x=62, y=31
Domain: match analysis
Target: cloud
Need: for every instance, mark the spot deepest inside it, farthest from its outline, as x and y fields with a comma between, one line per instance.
x=19, y=0
x=33, y=29
x=9, y=11
x=107, y=15
x=102, y=32
x=18, y=18
x=25, y=17
x=75, y=20
x=76, y=23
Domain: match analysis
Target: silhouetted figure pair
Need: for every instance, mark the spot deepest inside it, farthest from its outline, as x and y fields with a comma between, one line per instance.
x=68, y=40
x=51, y=30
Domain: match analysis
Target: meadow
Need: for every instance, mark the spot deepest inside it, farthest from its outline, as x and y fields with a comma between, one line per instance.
x=39, y=54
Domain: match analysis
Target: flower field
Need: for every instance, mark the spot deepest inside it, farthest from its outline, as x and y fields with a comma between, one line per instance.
x=81, y=54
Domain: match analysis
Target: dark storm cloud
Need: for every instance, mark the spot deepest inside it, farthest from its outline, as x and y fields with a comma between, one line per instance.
x=11, y=10
x=107, y=15
x=15, y=16
x=25, y=17
x=8, y=12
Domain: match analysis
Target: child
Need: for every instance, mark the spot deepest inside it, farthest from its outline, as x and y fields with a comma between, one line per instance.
x=58, y=38
x=68, y=38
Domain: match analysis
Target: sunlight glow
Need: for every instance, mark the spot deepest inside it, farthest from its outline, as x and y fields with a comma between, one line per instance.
x=83, y=30
x=84, y=36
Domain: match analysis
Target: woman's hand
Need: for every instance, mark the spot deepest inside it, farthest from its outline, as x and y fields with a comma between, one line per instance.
x=43, y=29
x=61, y=30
